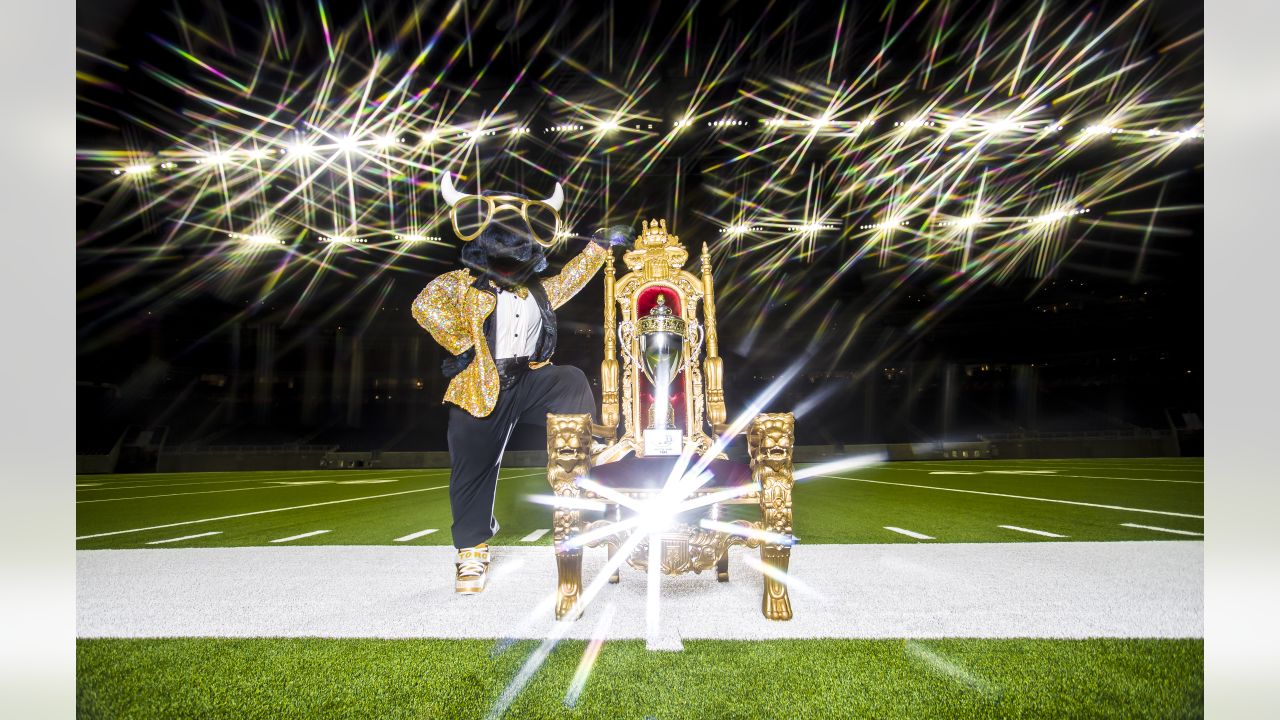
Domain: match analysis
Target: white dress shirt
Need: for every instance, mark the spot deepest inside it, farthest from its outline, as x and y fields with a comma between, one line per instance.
x=518, y=327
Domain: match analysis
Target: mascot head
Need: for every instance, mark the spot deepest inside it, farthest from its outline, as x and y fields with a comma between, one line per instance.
x=504, y=235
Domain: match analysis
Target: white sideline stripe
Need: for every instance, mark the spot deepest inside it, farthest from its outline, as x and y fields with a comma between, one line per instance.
x=185, y=537
x=1021, y=497
x=415, y=536
x=535, y=535
x=277, y=485
x=257, y=512
x=1160, y=529
x=1033, y=532
x=908, y=533
x=975, y=590
x=313, y=533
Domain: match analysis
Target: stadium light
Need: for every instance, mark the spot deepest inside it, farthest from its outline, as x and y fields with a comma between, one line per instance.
x=428, y=137
x=301, y=148
x=608, y=125
x=347, y=143
x=1003, y=125
x=257, y=239
x=1058, y=215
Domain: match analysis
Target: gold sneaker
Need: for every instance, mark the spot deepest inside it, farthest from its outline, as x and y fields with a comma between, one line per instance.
x=472, y=566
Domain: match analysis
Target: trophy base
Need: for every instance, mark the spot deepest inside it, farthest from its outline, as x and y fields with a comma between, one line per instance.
x=662, y=442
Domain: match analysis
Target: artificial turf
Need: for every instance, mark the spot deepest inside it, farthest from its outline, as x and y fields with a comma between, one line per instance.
x=325, y=678
x=844, y=509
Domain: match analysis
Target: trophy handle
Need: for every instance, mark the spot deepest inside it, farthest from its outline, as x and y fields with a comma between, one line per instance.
x=627, y=336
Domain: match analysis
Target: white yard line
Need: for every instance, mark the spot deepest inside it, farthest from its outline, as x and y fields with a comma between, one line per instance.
x=1048, y=464
x=257, y=512
x=1042, y=473
x=284, y=485
x=522, y=475
x=1138, y=589
x=415, y=536
x=1020, y=497
x=1033, y=532
x=535, y=535
x=1108, y=477
x=908, y=533
x=185, y=537
x=158, y=485
x=1163, y=530
x=291, y=538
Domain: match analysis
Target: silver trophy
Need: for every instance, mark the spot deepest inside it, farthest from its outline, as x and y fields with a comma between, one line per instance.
x=661, y=338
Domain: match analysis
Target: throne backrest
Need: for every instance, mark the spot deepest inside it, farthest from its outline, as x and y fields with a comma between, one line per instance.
x=696, y=393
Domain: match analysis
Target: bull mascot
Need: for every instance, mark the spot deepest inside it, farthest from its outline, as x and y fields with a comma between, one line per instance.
x=496, y=318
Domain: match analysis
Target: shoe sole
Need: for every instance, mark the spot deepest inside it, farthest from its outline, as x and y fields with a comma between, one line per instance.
x=469, y=587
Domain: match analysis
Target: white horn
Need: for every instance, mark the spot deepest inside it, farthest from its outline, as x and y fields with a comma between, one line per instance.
x=447, y=191
x=557, y=198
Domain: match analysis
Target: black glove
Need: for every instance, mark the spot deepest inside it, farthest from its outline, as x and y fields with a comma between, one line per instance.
x=455, y=364
x=613, y=235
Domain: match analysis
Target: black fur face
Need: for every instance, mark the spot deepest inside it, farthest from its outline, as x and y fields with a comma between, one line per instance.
x=505, y=252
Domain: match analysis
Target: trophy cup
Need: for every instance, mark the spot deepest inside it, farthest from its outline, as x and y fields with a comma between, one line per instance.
x=661, y=338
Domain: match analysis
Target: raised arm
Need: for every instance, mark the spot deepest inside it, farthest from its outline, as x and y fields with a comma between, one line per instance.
x=438, y=309
x=575, y=275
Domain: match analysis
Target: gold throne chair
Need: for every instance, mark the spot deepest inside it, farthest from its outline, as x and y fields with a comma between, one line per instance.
x=653, y=409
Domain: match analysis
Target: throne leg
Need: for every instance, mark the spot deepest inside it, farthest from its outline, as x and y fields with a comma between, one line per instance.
x=722, y=567
x=769, y=442
x=777, y=602
x=568, y=448
x=569, y=569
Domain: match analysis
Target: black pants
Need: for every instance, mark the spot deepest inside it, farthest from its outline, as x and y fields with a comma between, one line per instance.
x=476, y=444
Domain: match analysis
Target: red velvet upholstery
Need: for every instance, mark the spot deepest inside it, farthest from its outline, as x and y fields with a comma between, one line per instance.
x=644, y=303
x=652, y=472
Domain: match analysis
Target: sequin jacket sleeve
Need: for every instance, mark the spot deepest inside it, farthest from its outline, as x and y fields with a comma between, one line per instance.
x=575, y=275
x=437, y=309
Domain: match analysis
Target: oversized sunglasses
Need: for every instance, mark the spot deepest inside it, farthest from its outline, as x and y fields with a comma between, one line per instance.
x=471, y=214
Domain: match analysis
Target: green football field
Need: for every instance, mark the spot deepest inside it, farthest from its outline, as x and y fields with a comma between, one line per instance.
x=1038, y=501
x=1077, y=499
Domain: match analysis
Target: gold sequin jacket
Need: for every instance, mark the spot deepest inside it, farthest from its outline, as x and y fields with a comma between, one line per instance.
x=453, y=310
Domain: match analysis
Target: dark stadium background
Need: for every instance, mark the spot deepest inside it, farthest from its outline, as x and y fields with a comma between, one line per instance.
x=1091, y=350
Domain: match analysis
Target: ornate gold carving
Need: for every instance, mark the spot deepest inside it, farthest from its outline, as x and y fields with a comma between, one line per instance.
x=770, y=441
x=657, y=254
x=684, y=548
x=568, y=447
x=609, y=368
x=714, y=366
x=658, y=259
